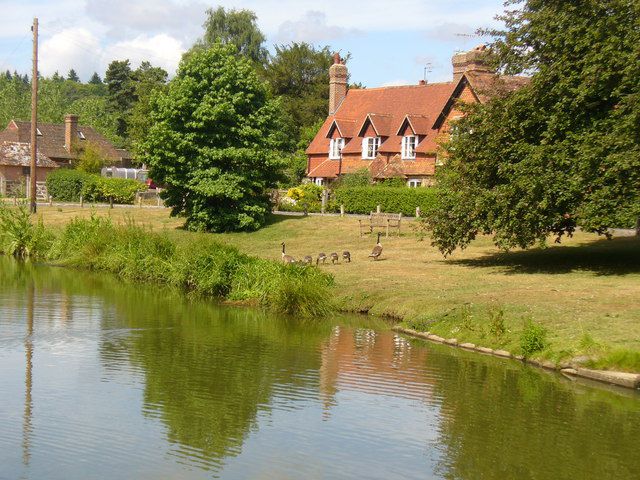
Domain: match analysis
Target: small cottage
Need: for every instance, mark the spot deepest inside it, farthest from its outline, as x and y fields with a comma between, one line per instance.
x=15, y=161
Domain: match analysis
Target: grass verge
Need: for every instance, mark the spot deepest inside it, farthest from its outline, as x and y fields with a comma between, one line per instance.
x=204, y=266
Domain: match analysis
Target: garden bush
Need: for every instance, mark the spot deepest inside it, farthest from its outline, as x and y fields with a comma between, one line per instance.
x=391, y=199
x=102, y=189
x=66, y=184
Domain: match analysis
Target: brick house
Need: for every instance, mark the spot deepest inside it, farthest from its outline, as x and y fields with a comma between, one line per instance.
x=62, y=142
x=15, y=161
x=395, y=131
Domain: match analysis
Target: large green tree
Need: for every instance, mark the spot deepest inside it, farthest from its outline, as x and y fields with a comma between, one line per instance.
x=214, y=142
x=121, y=93
x=565, y=150
x=235, y=27
x=299, y=73
x=147, y=79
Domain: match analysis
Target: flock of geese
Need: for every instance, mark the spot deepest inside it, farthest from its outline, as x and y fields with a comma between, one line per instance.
x=333, y=257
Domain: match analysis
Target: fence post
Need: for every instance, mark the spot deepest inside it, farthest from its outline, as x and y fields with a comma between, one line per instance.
x=81, y=201
x=323, y=207
x=110, y=202
x=3, y=187
x=638, y=227
x=158, y=199
x=342, y=210
x=50, y=201
x=417, y=212
x=378, y=209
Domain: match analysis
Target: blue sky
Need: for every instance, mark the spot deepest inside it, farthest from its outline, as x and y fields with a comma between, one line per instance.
x=390, y=41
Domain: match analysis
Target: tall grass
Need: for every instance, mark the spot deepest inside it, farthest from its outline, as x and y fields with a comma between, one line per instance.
x=203, y=266
x=19, y=236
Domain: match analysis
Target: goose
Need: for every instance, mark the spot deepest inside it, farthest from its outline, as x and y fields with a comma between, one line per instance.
x=334, y=257
x=307, y=260
x=377, y=250
x=322, y=257
x=287, y=258
x=346, y=256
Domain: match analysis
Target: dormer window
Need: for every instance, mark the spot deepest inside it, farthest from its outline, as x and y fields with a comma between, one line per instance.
x=335, y=148
x=370, y=147
x=409, y=144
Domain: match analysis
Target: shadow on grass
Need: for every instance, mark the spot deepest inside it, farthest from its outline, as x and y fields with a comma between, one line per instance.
x=620, y=256
x=273, y=218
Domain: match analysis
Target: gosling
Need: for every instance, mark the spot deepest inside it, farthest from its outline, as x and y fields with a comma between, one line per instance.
x=334, y=258
x=346, y=256
x=322, y=257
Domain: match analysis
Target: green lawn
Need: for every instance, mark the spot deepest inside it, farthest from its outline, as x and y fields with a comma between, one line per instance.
x=585, y=292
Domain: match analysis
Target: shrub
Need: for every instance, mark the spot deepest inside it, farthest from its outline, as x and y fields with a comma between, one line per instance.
x=359, y=178
x=91, y=159
x=102, y=189
x=403, y=200
x=19, y=236
x=533, y=338
x=66, y=185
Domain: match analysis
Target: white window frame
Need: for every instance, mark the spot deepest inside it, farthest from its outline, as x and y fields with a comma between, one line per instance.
x=409, y=145
x=414, y=182
x=319, y=181
x=370, y=146
x=335, y=148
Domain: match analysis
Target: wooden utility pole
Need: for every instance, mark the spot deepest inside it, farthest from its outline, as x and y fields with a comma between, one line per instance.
x=34, y=119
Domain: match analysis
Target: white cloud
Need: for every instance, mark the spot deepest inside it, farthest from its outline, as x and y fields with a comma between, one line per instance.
x=79, y=49
x=161, y=50
x=126, y=17
x=312, y=27
x=75, y=48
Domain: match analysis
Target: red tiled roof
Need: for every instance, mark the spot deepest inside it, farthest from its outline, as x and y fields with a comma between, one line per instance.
x=346, y=128
x=387, y=107
x=18, y=154
x=327, y=169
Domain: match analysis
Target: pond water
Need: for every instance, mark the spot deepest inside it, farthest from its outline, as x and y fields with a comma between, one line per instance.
x=100, y=379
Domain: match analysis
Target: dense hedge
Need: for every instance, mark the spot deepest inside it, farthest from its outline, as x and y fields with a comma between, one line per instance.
x=68, y=185
x=391, y=199
x=102, y=189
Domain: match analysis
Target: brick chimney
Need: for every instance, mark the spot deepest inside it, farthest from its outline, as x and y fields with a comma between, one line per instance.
x=70, y=131
x=337, y=83
x=472, y=61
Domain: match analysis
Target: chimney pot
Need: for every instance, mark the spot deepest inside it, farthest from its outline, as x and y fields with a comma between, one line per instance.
x=337, y=83
x=70, y=131
x=472, y=61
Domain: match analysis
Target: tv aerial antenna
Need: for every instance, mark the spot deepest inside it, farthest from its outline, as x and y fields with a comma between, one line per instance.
x=428, y=68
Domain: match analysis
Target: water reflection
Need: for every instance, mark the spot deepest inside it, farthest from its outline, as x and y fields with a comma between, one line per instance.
x=136, y=382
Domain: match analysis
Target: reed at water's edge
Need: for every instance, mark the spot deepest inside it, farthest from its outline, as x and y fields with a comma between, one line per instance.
x=202, y=266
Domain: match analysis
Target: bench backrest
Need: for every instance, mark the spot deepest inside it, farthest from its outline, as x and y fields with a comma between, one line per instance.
x=381, y=219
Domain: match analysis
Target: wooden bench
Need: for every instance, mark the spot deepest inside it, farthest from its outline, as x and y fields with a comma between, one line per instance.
x=384, y=221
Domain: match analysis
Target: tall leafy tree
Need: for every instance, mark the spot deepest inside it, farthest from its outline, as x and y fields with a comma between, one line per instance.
x=565, y=150
x=214, y=142
x=238, y=28
x=147, y=79
x=120, y=92
x=299, y=73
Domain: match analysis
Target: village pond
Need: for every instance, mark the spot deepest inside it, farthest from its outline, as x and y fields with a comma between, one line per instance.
x=100, y=379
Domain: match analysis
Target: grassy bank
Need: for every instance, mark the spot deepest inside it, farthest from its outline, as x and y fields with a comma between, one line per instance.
x=584, y=293
x=202, y=266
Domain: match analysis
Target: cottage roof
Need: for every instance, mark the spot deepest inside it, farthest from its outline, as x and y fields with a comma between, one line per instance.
x=385, y=109
x=18, y=154
x=52, y=139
